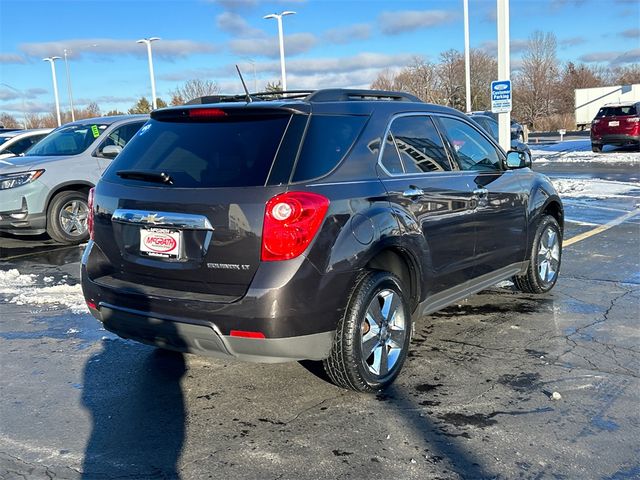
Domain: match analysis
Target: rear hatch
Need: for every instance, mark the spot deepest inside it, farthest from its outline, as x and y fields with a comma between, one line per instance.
x=617, y=120
x=180, y=211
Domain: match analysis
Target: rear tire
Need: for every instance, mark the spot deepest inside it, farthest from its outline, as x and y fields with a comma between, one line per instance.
x=372, y=338
x=544, y=258
x=595, y=147
x=67, y=217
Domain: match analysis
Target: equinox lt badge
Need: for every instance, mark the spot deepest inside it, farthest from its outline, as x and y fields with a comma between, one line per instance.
x=228, y=266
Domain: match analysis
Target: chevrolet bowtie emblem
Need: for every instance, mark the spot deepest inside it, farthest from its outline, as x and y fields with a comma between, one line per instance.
x=152, y=218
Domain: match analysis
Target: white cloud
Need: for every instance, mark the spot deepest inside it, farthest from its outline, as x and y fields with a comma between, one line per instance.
x=395, y=23
x=235, y=24
x=348, y=34
x=613, y=58
x=572, y=41
x=28, y=107
x=631, y=33
x=294, y=44
x=167, y=49
x=12, y=58
x=30, y=93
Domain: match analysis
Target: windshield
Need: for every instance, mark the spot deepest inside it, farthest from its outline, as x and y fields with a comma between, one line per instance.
x=71, y=140
x=4, y=139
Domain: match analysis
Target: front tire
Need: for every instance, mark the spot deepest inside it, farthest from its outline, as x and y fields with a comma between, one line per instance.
x=544, y=258
x=596, y=147
x=67, y=217
x=372, y=338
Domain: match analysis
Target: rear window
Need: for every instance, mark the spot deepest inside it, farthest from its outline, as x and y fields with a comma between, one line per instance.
x=328, y=139
x=230, y=153
x=617, y=111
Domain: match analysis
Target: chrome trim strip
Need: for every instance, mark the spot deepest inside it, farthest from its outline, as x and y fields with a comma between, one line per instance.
x=162, y=219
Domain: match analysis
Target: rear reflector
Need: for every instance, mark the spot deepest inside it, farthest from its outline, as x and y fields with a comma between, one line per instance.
x=242, y=333
x=92, y=305
x=206, y=113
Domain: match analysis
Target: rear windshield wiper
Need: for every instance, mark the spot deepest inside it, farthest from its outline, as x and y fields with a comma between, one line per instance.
x=146, y=175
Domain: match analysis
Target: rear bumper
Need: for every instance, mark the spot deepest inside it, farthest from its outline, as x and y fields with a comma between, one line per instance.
x=179, y=335
x=615, y=139
x=291, y=303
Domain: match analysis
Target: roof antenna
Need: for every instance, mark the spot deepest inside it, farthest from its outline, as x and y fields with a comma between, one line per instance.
x=244, y=85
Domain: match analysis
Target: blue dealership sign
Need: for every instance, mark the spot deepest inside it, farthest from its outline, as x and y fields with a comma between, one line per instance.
x=501, y=96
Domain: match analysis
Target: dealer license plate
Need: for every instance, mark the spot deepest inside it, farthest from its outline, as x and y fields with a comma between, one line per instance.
x=160, y=242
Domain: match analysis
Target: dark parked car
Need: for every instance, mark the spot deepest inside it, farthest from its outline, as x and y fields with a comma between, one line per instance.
x=616, y=124
x=491, y=126
x=315, y=227
x=517, y=130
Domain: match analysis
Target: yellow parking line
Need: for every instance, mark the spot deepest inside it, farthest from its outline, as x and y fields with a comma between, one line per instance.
x=601, y=228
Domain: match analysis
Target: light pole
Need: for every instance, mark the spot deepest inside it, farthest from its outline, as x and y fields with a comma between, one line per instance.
x=467, y=62
x=52, y=60
x=278, y=17
x=504, y=70
x=24, y=110
x=66, y=66
x=147, y=42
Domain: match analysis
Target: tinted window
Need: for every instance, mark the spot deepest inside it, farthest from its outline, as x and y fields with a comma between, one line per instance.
x=419, y=144
x=391, y=157
x=617, y=111
x=120, y=136
x=328, y=139
x=472, y=150
x=70, y=140
x=4, y=139
x=21, y=145
x=230, y=153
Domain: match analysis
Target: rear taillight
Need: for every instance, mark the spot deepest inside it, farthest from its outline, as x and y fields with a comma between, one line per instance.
x=633, y=119
x=291, y=221
x=90, y=214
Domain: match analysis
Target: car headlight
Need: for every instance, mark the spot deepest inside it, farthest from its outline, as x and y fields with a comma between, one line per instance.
x=13, y=180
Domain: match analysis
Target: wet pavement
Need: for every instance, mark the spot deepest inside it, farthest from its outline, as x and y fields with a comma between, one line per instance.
x=475, y=399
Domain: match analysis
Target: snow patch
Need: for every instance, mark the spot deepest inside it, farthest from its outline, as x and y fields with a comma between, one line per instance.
x=594, y=188
x=579, y=151
x=24, y=289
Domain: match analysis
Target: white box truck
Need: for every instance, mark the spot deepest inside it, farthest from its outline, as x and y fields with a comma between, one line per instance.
x=590, y=100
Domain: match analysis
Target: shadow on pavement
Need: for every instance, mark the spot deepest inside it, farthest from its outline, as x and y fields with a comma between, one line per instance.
x=135, y=399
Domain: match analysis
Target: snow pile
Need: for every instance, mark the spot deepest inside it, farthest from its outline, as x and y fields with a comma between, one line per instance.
x=12, y=280
x=25, y=289
x=594, y=188
x=579, y=151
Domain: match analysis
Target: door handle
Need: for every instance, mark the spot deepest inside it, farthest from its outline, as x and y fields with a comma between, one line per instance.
x=481, y=193
x=413, y=191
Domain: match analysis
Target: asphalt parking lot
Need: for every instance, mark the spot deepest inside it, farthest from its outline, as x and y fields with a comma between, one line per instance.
x=475, y=399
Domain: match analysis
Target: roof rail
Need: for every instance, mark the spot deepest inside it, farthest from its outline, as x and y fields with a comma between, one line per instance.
x=325, y=95
x=341, y=95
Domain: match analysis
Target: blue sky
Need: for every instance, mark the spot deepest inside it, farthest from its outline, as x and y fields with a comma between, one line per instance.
x=328, y=43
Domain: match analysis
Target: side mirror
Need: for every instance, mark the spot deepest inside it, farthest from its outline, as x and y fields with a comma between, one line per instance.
x=110, y=151
x=518, y=159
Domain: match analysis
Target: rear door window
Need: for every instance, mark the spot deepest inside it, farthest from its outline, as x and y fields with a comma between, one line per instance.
x=232, y=153
x=418, y=144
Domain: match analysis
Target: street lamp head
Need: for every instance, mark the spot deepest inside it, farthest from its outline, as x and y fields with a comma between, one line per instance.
x=288, y=12
x=51, y=59
x=148, y=40
x=271, y=15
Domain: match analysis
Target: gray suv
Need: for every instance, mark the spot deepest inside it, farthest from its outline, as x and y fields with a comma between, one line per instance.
x=46, y=190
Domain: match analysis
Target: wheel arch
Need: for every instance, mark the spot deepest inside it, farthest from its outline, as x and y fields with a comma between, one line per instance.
x=75, y=186
x=401, y=263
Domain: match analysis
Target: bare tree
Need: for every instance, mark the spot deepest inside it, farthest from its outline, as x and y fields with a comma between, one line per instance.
x=193, y=89
x=9, y=121
x=384, y=81
x=575, y=76
x=534, y=87
x=451, y=73
x=483, y=69
x=626, y=75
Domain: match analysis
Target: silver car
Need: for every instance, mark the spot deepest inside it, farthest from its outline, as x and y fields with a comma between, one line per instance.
x=46, y=190
x=17, y=142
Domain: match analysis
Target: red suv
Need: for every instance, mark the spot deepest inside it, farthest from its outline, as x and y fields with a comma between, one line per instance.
x=616, y=124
